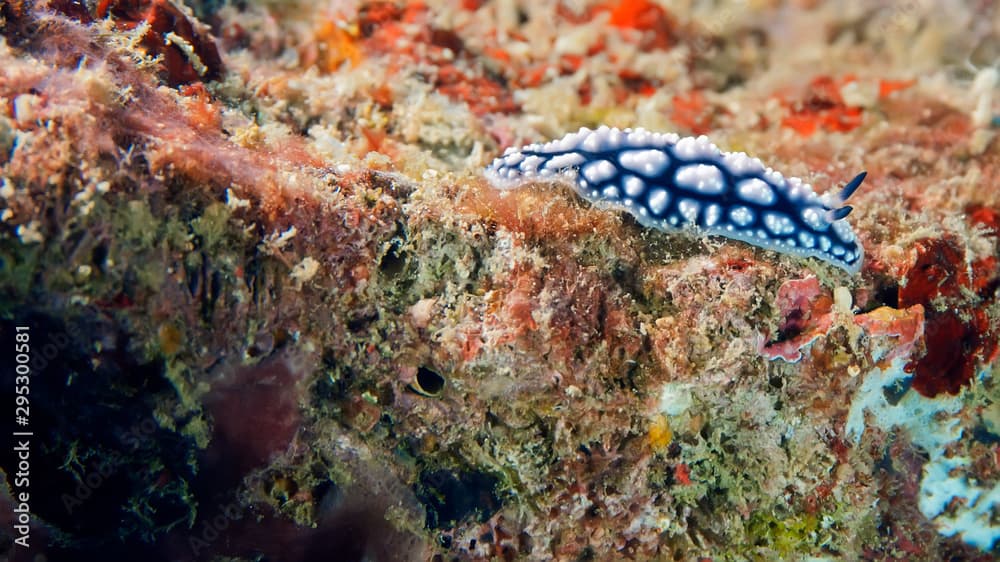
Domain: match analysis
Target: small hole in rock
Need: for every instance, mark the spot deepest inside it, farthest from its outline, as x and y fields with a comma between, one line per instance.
x=427, y=382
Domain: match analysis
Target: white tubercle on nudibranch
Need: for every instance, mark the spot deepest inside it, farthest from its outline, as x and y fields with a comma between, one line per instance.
x=671, y=183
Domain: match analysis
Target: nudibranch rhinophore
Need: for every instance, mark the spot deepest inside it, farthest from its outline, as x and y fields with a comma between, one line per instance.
x=672, y=183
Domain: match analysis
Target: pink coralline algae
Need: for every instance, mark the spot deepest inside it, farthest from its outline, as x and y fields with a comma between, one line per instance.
x=808, y=313
x=906, y=326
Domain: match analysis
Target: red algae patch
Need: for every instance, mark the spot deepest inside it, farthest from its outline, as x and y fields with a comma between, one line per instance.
x=958, y=338
x=188, y=52
x=270, y=392
x=822, y=108
x=658, y=26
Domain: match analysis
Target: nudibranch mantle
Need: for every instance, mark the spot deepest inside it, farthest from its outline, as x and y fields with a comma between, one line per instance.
x=673, y=183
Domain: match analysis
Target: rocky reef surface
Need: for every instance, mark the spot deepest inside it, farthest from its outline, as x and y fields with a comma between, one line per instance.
x=277, y=313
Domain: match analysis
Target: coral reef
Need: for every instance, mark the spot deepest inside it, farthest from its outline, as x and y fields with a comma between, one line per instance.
x=278, y=312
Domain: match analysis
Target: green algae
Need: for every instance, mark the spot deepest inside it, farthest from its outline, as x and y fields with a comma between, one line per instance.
x=796, y=534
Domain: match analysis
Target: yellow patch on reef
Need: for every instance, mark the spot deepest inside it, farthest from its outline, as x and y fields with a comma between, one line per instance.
x=171, y=339
x=660, y=434
x=334, y=45
x=796, y=534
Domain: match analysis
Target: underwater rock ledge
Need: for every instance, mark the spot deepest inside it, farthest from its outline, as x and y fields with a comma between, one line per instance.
x=277, y=311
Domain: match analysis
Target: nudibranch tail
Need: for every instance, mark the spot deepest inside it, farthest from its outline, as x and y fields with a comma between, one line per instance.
x=671, y=183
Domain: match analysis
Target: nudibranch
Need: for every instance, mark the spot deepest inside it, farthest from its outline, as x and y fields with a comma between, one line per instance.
x=673, y=183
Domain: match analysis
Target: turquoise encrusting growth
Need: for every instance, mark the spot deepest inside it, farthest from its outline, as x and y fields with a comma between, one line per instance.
x=671, y=183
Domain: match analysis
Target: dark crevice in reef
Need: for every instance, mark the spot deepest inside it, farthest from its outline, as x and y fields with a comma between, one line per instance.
x=105, y=476
x=450, y=498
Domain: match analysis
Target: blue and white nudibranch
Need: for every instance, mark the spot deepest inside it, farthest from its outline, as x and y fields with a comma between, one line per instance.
x=671, y=183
